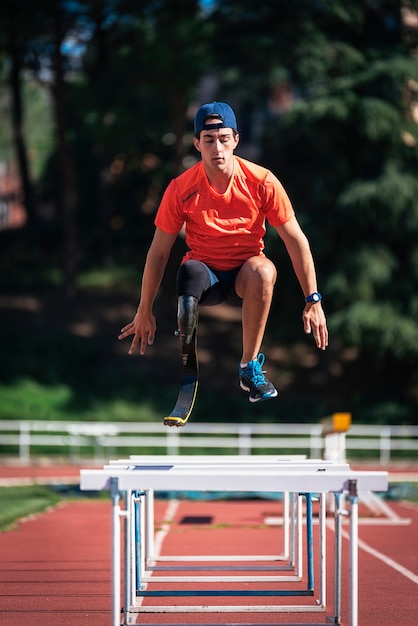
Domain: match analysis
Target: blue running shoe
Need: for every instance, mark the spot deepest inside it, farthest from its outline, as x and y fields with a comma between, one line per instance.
x=252, y=379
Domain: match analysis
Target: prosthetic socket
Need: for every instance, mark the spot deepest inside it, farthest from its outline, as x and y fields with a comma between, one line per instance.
x=187, y=312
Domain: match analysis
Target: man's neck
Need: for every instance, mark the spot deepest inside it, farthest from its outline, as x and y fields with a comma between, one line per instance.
x=219, y=180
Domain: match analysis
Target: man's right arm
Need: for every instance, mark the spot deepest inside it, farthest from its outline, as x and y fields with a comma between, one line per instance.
x=143, y=325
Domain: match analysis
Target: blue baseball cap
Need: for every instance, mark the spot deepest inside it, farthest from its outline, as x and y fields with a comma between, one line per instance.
x=226, y=114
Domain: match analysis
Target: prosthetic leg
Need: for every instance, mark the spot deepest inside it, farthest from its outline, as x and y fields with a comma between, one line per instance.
x=187, y=315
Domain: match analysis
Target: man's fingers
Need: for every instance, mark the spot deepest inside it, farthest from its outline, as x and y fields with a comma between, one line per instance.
x=134, y=345
x=143, y=344
x=147, y=339
x=319, y=341
x=314, y=322
x=321, y=338
x=143, y=335
x=126, y=331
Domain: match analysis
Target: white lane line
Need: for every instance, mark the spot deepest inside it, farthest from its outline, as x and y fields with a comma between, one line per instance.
x=165, y=527
x=385, y=559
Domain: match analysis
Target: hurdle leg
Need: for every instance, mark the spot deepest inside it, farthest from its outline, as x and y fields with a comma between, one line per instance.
x=353, y=603
x=129, y=554
x=309, y=541
x=116, y=552
x=292, y=551
x=141, y=524
x=299, y=562
x=337, y=557
x=322, y=550
x=149, y=526
x=286, y=526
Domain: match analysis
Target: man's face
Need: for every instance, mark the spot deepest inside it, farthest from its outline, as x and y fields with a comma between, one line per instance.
x=217, y=147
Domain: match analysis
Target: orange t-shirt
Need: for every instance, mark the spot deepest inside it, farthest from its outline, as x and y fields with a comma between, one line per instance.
x=224, y=230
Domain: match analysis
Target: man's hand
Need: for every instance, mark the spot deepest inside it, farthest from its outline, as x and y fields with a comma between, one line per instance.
x=314, y=322
x=143, y=329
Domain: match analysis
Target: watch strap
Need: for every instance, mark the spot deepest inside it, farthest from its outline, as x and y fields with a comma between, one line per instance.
x=313, y=297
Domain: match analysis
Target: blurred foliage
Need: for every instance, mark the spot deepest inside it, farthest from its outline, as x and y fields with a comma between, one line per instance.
x=326, y=95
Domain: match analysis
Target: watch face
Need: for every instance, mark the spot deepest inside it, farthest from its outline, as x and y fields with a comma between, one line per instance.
x=315, y=297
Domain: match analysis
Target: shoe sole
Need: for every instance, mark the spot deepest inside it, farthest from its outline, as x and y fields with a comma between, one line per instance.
x=267, y=396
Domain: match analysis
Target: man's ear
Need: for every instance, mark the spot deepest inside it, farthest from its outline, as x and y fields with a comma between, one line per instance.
x=196, y=143
x=236, y=139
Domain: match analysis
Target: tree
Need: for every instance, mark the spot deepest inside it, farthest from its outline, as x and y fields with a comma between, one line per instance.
x=14, y=29
x=340, y=126
x=326, y=94
x=68, y=197
x=34, y=43
x=120, y=118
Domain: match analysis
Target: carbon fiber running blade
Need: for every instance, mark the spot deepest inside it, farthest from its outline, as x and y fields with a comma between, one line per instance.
x=185, y=402
x=188, y=387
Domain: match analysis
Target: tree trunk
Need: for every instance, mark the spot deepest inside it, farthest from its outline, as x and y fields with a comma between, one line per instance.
x=17, y=124
x=68, y=197
x=178, y=106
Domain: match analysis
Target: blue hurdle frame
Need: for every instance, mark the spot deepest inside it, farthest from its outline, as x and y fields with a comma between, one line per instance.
x=138, y=590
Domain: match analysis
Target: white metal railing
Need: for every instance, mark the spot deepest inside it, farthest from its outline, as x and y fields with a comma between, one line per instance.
x=102, y=440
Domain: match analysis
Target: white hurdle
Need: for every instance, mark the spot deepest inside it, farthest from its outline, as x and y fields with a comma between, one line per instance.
x=291, y=530
x=292, y=526
x=294, y=477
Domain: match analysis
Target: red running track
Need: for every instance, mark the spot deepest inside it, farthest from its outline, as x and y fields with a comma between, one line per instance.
x=55, y=567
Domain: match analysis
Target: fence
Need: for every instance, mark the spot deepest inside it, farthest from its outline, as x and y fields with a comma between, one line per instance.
x=81, y=440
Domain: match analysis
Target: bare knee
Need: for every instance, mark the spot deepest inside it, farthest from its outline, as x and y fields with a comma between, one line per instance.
x=257, y=278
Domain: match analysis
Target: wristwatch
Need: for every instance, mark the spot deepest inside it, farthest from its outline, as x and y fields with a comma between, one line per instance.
x=314, y=297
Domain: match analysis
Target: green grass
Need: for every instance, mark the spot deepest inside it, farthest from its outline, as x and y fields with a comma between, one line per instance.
x=20, y=502
x=403, y=491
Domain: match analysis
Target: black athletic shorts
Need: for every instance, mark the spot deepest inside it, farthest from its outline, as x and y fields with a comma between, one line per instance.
x=210, y=286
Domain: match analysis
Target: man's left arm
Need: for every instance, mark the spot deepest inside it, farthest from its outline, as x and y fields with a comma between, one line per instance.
x=300, y=254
